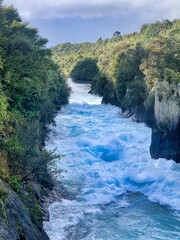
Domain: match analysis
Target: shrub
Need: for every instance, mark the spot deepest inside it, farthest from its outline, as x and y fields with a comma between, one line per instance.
x=15, y=182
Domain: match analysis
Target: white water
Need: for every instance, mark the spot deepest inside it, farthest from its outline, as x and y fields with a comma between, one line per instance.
x=114, y=189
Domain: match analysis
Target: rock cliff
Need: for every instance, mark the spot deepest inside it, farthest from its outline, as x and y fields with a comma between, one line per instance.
x=164, y=119
x=22, y=213
x=166, y=133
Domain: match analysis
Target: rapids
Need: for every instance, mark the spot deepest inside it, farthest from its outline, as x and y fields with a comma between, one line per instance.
x=114, y=190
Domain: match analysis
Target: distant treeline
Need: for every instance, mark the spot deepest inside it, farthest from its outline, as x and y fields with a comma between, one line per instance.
x=129, y=65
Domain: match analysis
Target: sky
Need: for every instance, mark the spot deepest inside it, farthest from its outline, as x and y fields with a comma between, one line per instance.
x=87, y=20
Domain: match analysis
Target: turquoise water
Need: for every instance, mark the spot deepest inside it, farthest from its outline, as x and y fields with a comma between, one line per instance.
x=114, y=189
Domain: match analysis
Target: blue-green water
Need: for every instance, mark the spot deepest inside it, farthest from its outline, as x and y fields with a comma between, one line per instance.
x=116, y=190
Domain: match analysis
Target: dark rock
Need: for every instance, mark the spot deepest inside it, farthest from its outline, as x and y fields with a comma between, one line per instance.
x=112, y=99
x=16, y=211
x=127, y=114
x=138, y=113
x=143, y=114
x=166, y=144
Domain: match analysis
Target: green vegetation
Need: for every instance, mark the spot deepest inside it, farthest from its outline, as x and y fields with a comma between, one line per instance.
x=84, y=70
x=31, y=91
x=15, y=182
x=3, y=206
x=129, y=65
x=3, y=192
x=36, y=214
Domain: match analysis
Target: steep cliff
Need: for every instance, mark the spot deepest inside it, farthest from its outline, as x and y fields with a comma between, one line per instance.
x=166, y=133
x=164, y=119
x=22, y=213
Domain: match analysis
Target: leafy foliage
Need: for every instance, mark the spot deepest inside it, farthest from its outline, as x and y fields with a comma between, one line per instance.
x=15, y=182
x=85, y=70
x=130, y=65
x=31, y=91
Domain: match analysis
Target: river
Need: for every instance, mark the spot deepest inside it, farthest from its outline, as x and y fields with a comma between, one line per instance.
x=114, y=190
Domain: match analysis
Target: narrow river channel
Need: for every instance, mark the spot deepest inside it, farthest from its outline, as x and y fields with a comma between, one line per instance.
x=115, y=191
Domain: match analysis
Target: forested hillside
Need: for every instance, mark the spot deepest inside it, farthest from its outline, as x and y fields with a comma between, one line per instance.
x=31, y=91
x=140, y=72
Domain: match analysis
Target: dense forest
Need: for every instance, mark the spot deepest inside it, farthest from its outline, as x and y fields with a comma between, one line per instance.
x=125, y=59
x=140, y=72
x=31, y=91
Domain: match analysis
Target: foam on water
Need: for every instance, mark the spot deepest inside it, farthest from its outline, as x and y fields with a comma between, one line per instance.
x=106, y=165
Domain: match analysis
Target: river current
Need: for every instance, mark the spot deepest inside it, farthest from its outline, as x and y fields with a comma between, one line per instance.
x=114, y=190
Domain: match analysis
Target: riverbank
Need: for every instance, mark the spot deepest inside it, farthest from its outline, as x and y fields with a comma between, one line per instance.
x=163, y=117
x=22, y=213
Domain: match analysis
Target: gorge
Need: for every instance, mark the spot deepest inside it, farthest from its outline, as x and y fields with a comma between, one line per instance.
x=113, y=189
x=106, y=171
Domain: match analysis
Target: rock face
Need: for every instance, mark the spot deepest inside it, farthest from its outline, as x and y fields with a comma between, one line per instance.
x=164, y=119
x=112, y=99
x=166, y=144
x=166, y=133
x=167, y=104
x=21, y=215
x=138, y=113
x=142, y=114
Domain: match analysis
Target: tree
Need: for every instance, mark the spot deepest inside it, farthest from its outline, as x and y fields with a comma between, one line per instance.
x=116, y=36
x=85, y=70
x=127, y=71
